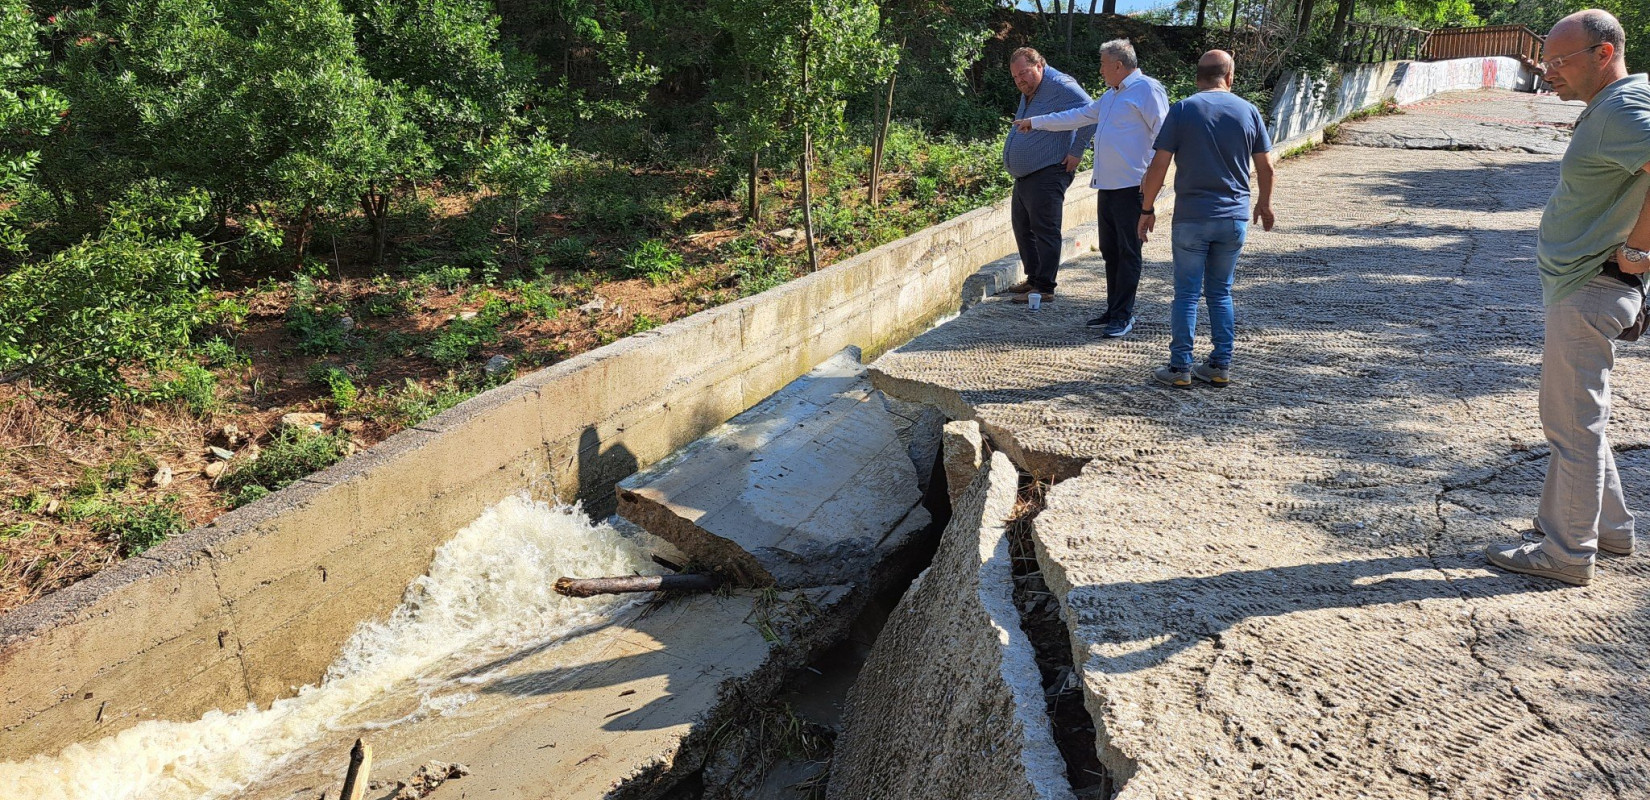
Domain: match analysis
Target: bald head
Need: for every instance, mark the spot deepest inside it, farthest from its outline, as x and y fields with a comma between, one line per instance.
x=1214, y=70
x=1593, y=26
x=1584, y=53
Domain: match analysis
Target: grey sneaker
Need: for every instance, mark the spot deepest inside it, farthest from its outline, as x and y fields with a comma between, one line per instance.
x=1118, y=328
x=1536, y=534
x=1178, y=378
x=1528, y=559
x=1217, y=377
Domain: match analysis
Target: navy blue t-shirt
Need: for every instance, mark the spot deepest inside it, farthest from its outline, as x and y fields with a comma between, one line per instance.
x=1213, y=135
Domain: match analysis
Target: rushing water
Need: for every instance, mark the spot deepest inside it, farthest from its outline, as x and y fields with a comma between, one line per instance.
x=488, y=588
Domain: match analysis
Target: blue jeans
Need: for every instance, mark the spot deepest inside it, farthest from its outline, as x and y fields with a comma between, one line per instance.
x=1205, y=255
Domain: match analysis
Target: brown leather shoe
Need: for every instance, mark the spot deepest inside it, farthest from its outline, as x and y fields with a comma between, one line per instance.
x=1024, y=297
x=1020, y=288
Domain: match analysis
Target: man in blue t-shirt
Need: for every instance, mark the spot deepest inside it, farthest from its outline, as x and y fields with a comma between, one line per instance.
x=1042, y=163
x=1211, y=136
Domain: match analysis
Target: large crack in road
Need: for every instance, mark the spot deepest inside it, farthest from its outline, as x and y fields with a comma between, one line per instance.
x=1272, y=591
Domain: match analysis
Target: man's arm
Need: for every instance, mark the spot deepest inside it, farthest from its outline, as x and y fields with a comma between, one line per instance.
x=1149, y=187
x=1263, y=176
x=1068, y=120
x=1639, y=237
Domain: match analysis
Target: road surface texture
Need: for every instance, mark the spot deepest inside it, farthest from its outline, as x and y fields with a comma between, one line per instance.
x=1277, y=590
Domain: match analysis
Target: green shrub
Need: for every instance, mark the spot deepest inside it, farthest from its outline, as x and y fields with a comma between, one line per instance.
x=221, y=354
x=415, y=403
x=193, y=385
x=338, y=384
x=390, y=298
x=461, y=338
x=32, y=503
x=138, y=528
x=73, y=322
x=537, y=301
x=248, y=494
x=654, y=260
x=293, y=454
x=643, y=322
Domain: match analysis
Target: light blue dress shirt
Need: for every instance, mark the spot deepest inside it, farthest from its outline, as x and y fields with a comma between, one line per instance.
x=1126, y=121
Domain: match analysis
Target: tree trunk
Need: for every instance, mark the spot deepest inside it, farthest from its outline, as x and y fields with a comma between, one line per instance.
x=1110, y=7
x=1305, y=21
x=375, y=206
x=1233, y=25
x=303, y=231
x=1202, y=7
x=1071, y=19
x=753, y=209
x=807, y=156
x=1343, y=12
x=882, y=137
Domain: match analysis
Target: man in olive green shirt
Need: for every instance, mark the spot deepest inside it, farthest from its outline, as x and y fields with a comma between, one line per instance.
x=1593, y=248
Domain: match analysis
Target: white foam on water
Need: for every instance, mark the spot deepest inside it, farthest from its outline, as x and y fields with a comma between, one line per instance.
x=489, y=588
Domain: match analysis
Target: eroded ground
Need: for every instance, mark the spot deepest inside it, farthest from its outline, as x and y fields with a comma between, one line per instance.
x=1277, y=590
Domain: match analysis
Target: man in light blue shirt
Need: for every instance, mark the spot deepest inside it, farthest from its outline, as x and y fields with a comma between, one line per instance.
x=1042, y=163
x=1126, y=120
x=1592, y=250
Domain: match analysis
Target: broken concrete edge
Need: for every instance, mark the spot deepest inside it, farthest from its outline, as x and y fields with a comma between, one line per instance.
x=950, y=703
x=1300, y=114
x=256, y=604
x=1051, y=467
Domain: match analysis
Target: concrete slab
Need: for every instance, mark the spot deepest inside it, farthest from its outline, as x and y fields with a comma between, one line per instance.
x=810, y=487
x=1277, y=590
x=950, y=704
x=623, y=710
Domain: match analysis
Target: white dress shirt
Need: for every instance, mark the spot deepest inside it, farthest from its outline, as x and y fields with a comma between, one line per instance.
x=1127, y=120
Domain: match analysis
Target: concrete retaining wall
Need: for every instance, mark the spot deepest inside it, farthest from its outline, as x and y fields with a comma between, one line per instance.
x=256, y=604
x=1302, y=107
x=950, y=706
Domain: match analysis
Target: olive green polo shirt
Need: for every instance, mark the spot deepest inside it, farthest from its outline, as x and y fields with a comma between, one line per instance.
x=1601, y=187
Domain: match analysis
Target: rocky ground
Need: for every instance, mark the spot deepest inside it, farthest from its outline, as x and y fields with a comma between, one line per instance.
x=1277, y=590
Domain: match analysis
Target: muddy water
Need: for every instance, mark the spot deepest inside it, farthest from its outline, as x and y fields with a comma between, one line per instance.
x=488, y=591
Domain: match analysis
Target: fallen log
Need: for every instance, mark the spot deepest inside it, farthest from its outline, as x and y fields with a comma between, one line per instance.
x=590, y=587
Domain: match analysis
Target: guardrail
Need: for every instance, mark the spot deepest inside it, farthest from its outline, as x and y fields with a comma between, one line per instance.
x=1517, y=41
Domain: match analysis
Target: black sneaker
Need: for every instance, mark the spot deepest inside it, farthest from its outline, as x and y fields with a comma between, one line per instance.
x=1101, y=321
x=1118, y=328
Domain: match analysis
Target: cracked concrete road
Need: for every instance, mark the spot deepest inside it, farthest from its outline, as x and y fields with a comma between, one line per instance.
x=1277, y=590
x=1493, y=120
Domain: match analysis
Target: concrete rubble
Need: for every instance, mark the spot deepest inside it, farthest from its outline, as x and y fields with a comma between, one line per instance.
x=950, y=705
x=1277, y=590
x=811, y=487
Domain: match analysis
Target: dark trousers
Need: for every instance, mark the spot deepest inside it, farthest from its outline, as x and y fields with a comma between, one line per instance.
x=1120, y=247
x=1038, y=205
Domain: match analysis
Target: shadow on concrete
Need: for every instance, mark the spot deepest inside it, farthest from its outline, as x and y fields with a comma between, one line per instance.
x=1163, y=618
x=599, y=470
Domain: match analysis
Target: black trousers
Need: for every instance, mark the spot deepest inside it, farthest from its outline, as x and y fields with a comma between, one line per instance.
x=1037, y=207
x=1120, y=246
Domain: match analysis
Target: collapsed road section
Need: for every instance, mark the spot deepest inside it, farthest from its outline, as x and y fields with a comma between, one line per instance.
x=1277, y=590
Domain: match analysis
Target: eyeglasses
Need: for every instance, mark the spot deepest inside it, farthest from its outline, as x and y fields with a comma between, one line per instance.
x=1554, y=63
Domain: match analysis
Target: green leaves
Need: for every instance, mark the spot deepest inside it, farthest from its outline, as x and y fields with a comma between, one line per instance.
x=82, y=321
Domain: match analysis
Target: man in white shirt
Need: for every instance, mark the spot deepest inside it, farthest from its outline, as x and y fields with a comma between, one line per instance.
x=1126, y=120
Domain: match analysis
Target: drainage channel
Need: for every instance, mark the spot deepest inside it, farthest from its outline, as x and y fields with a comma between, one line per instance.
x=1040, y=618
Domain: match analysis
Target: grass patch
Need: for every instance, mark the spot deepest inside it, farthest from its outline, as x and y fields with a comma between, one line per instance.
x=293, y=454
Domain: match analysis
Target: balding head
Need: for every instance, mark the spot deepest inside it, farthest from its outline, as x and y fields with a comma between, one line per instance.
x=1584, y=53
x=1215, y=69
x=1596, y=26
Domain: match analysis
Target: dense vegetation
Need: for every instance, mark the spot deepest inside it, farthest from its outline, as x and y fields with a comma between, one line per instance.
x=213, y=212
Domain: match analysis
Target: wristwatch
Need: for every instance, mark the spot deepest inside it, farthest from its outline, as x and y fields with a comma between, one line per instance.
x=1634, y=255
x=1148, y=212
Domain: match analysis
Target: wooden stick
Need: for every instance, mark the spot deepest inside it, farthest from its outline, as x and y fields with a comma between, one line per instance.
x=590, y=587
x=360, y=761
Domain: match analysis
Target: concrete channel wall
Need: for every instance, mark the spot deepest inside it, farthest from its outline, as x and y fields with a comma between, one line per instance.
x=256, y=604
x=1304, y=105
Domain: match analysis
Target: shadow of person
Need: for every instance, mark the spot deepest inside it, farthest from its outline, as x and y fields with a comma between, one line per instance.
x=600, y=468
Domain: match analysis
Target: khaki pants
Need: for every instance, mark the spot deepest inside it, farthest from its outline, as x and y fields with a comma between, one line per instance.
x=1582, y=499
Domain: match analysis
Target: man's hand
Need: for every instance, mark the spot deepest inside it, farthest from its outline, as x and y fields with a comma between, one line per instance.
x=1147, y=222
x=1632, y=267
x=1023, y=125
x=1071, y=163
x=1263, y=215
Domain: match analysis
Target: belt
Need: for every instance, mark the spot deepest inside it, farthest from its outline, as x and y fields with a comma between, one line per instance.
x=1613, y=269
